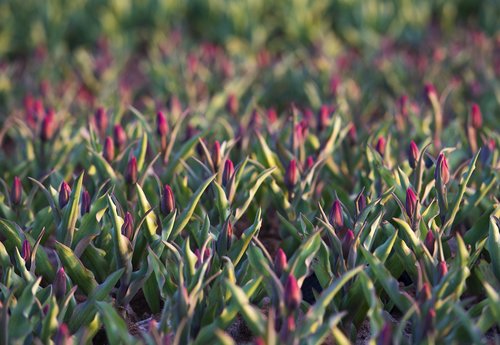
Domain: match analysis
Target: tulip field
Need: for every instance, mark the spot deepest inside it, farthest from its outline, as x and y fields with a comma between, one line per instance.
x=249, y=172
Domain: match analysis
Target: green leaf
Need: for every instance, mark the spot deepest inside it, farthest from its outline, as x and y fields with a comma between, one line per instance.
x=251, y=194
x=145, y=206
x=66, y=229
x=238, y=249
x=114, y=325
x=253, y=317
x=493, y=246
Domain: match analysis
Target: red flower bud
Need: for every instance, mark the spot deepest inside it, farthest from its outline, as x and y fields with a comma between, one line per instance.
x=26, y=252
x=411, y=203
x=216, y=154
x=85, y=205
x=323, y=117
x=16, y=192
x=336, y=216
x=429, y=241
x=59, y=284
x=430, y=319
x=347, y=243
x=442, y=172
x=63, y=336
x=131, y=173
x=380, y=146
x=64, y=193
x=119, y=137
x=293, y=295
x=476, y=116
x=430, y=92
x=228, y=172
x=413, y=154
x=425, y=293
x=167, y=204
x=232, y=105
x=108, y=151
x=309, y=162
x=128, y=226
x=403, y=105
x=352, y=136
x=48, y=126
x=280, y=262
x=272, y=115
x=101, y=120
x=291, y=175
x=442, y=269
x=161, y=124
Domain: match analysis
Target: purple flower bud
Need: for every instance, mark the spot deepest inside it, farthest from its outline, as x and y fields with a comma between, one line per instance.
x=403, y=105
x=429, y=241
x=128, y=226
x=291, y=175
x=119, y=137
x=385, y=335
x=108, y=151
x=161, y=124
x=167, y=204
x=131, y=173
x=380, y=146
x=413, y=154
x=59, y=284
x=442, y=269
x=476, y=116
x=232, y=105
x=347, y=243
x=63, y=336
x=360, y=203
x=280, y=262
x=26, y=252
x=228, y=172
x=293, y=295
x=85, y=205
x=201, y=257
x=336, y=216
x=101, y=120
x=442, y=172
x=64, y=193
x=216, y=154
x=48, y=127
x=411, y=203
x=323, y=117
x=16, y=192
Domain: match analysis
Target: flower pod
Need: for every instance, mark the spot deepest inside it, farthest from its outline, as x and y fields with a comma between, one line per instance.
x=476, y=116
x=108, y=151
x=48, y=126
x=85, y=203
x=347, y=243
x=64, y=193
x=16, y=192
x=101, y=120
x=280, y=262
x=411, y=203
x=336, y=216
x=216, y=154
x=429, y=241
x=167, y=204
x=413, y=154
x=442, y=172
x=63, y=336
x=291, y=175
x=161, y=124
x=380, y=146
x=59, y=284
x=293, y=295
x=119, y=137
x=228, y=172
x=131, y=173
x=128, y=226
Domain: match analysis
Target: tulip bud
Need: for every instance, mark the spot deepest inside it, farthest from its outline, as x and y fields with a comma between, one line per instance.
x=442, y=269
x=127, y=229
x=59, y=284
x=131, y=173
x=425, y=293
x=216, y=154
x=476, y=116
x=411, y=203
x=85, y=205
x=119, y=137
x=347, y=243
x=272, y=115
x=486, y=152
x=64, y=193
x=48, y=127
x=228, y=172
x=360, y=203
x=352, y=136
x=336, y=216
x=430, y=92
x=429, y=241
x=323, y=117
x=225, y=238
x=26, y=252
x=16, y=191
x=161, y=124
x=167, y=204
x=380, y=146
x=291, y=175
x=259, y=341
x=232, y=105
x=293, y=295
x=385, y=335
x=108, y=151
x=413, y=154
x=280, y=262
x=430, y=319
x=309, y=162
x=63, y=336
x=255, y=120
x=442, y=173
x=403, y=105
x=201, y=257
x=101, y=120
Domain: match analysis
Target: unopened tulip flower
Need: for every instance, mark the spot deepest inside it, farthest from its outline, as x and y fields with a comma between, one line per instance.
x=411, y=203
x=59, y=284
x=161, y=124
x=293, y=295
x=127, y=229
x=119, y=137
x=167, y=201
x=16, y=192
x=476, y=116
x=108, y=151
x=48, y=127
x=280, y=262
x=336, y=215
x=413, y=154
x=442, y=172
x=228, y=172
x=85, y=204
x=64, y=194
x=101, y=120
x=291, y=175
x=380, y=146
x=131, y=173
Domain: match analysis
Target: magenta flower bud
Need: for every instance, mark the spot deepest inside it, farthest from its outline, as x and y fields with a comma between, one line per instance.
x=128, y=226
x=255, y=120
x=403, y=105
x=38, y=109
x=167, y=204
x=64, y=193
x=347, y=243
x=430, y=92
x=108, y=151
x=476, y=116
x=272, y=115
x=293, y=295
x=119, y=137
x=175, y=105
x=85, y=204
x=101, y=120
x=385, y=335
x=323, y=117
x=411, y=203
x=413, y=154
x=161, y=124
x=309, y=162
x=131, y=173
x=228, y=172
x=280, y=262
x=291, y=175
x=63, y=336
x=232, y=104
x=380, y=146
x=352, y=136
x=59, y=284
x=26, y=252
x=259, y=341
x=429, y=241
x=442, y=269
x=442, y=172
x=48, y=126
x=216, y=154
x=425, y=293
x=201, y=257
x=336, y=216
x=430, y=319
x=16, y=192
